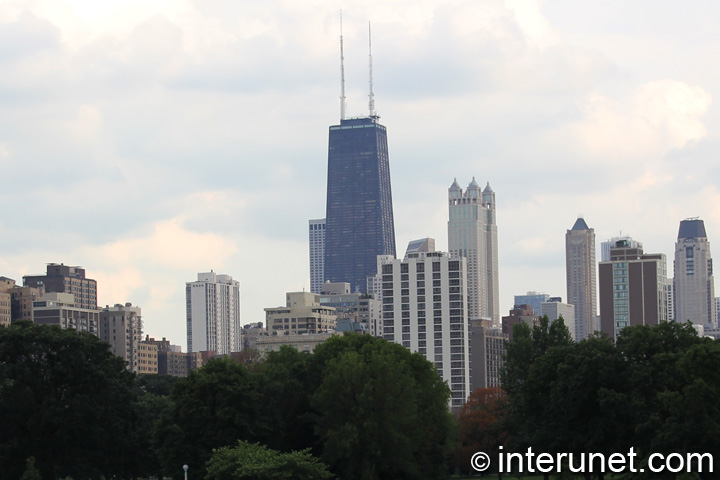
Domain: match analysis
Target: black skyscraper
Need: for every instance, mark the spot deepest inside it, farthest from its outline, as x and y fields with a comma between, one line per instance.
x=359, y=214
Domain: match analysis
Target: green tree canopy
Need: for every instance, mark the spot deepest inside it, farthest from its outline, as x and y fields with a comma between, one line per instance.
x=66, y=400
x=252, y=461
x=382, y=412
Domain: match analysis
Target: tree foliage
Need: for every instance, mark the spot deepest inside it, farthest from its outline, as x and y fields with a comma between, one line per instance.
x=654, y=389
x=252, y=461
x=66, y=400
x=482, y=426
x=381, y=411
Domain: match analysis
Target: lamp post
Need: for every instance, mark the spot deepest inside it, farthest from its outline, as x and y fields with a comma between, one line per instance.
x=185, y=467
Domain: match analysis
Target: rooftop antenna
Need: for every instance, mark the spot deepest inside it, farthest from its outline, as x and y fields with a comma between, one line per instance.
x=342, y=74
x=371, y=103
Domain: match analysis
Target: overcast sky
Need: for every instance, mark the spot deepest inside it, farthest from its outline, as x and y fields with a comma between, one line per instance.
x=149, y=140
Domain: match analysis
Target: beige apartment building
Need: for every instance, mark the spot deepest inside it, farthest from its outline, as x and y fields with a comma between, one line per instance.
x=302, y=313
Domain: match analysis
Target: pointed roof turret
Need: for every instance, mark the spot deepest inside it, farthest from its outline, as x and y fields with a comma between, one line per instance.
x=580, y=224
x=455, y=185
x=473, y=184
x=487, y=188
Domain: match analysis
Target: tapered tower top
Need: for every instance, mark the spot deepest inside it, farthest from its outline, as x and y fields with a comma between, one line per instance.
x=580, y=224
x=692, y=228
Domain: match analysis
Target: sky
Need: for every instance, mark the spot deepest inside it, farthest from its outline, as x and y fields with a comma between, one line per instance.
x=149, y=140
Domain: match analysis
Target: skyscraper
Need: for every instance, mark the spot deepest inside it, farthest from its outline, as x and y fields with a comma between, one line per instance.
x=633, y=287
x=317, y=254
x=213, y=314
x=581, y=277
x=425, y=310
x=693, y=285
x=359, y=214
x=472, y=233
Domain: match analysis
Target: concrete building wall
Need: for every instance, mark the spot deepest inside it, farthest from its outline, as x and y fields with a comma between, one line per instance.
x=633, y=289
x=121, y=326
x=425, y=310
x=472, y=233
x=213, y=314
x=581, y=277
x=147, y=358
x=302, y=313
x=59, y=309
x=60, y=278
x=693, y=286
x=317, y=254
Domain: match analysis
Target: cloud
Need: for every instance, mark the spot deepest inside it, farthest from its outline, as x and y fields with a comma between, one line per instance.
x=657, y=117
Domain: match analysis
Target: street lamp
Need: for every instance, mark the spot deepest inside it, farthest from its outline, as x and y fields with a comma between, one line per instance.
x=185, y=467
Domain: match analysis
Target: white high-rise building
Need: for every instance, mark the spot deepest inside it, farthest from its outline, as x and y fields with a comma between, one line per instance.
x=554, y=308
x=581, y=278
x=317, y=254
x=213, y=314
x=425, y=310
x=693, y=286
x=472, y=233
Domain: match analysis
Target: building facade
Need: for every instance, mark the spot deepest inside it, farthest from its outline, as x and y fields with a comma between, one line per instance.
x=316, y=230
x=425, y=310
x=362, y=308
x=554, y=308
x=608, y=244
x=359, y=213
x=633, y=288
x=121, y=326
x=60, y=309
x=693, y=285
x=518, y=314
x=213, y=314
x=302, y=313
x=534, y=299
x=6, y=286
x=302, y=342
x=472, y=233
x=61, y=278
x=487, y=352
x=581, y=278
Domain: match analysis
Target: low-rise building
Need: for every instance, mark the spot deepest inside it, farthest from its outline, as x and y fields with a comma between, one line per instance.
x=305, y=342
x=59, y=309
x=302, y=313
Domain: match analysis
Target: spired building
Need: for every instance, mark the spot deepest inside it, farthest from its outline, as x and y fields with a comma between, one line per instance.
x=581, y=278
x=472, y=233
x=693, y=286
x=359, y=213
x=213, y=314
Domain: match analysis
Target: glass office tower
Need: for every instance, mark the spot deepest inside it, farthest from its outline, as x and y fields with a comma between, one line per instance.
x=359, y=215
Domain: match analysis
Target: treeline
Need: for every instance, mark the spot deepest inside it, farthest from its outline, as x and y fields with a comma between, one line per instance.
x=358, y=408
x=656, y=389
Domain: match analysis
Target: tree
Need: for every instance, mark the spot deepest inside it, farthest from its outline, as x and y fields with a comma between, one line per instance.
x=381, y=411
x=482, y=426
x=211, y=408
x=66, y=400
x=248, y=461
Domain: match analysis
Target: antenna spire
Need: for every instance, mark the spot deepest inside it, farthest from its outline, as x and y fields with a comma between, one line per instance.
x=343, y=103
x=371, y=103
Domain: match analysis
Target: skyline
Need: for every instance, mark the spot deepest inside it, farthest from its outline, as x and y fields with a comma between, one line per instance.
x=140, y=140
